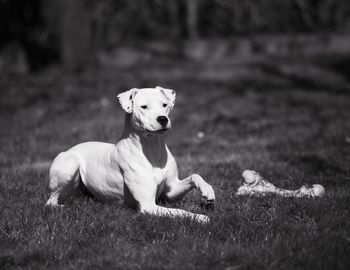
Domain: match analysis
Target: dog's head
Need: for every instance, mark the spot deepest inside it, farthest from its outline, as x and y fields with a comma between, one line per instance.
x=149, y=108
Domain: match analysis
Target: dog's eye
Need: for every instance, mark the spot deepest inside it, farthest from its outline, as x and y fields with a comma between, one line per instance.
x=144, y=106
x=164, y=105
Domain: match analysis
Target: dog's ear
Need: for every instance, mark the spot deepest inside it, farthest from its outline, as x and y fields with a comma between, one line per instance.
x=169, y=94
x=126, y=99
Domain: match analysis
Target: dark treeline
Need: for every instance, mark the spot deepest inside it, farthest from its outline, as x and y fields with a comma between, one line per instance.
x=57, y=26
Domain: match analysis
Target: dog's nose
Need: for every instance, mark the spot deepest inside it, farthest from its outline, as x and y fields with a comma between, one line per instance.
x=162, y=120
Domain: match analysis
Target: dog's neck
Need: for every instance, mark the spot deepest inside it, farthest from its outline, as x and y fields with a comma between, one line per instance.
x=152, y=145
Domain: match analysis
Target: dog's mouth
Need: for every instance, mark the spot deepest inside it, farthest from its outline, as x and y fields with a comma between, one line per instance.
x=159, y=131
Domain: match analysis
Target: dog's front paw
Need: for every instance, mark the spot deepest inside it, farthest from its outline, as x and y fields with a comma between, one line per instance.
x=208, y=192
x=208, y=197
x=202, y=219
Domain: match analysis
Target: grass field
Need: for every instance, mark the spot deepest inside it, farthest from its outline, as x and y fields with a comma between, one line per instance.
x=289, y=119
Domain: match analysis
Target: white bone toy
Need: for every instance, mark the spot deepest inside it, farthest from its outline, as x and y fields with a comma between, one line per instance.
x=254, y=184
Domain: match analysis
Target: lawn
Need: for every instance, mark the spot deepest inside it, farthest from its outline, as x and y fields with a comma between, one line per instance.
x=287, y=118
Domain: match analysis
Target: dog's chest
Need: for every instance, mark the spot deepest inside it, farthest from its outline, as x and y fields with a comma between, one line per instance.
x=159, y=175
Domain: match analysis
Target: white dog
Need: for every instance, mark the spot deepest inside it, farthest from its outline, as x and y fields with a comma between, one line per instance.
x=137, y=170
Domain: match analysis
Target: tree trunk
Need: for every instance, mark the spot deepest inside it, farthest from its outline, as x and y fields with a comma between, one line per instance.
x=192, y=18
x=75, y=35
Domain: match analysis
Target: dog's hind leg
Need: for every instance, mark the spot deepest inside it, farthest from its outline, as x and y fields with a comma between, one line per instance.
x=64, y=178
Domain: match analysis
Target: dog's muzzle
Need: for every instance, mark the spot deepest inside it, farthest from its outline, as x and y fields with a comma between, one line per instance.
x=163, y=121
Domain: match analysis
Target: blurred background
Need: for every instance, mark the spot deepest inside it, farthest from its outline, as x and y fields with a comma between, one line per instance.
x=76, y=34
x=253, y=77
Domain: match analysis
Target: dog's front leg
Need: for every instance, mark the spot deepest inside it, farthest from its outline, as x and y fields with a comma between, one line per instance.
x=176, y=189
x=143, y=190
x=154, y=209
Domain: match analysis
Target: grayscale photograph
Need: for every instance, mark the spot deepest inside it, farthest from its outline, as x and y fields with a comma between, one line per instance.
x=175, y=134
